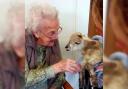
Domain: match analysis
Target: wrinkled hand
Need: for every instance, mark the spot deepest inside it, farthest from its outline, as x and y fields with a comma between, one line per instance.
x=67, y=65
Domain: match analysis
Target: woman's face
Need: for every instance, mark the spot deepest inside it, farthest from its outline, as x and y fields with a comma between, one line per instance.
x=47, y=32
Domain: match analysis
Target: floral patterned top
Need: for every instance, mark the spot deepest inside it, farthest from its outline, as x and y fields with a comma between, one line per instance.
x=37, y=78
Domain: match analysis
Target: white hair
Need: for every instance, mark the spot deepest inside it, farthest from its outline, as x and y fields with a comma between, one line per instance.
x=7, y=9
x=16, y=19
x=39, y=12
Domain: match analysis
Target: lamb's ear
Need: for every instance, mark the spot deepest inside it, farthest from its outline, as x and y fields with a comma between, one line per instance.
x=91, y=43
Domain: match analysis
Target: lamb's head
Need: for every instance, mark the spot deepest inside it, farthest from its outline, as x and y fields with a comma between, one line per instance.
x=77, y=41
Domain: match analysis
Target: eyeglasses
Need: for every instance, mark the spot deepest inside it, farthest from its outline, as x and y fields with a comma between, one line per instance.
x=53, y=34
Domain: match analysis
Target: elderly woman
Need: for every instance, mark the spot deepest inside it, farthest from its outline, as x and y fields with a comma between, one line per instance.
x=44, y=68
x=12, y=50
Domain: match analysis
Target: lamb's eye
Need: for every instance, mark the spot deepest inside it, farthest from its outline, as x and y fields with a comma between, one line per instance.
x=77, y=43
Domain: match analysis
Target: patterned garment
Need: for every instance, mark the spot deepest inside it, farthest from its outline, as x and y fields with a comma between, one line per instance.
x=10, y=76
x=37, y=78
x=99, y=73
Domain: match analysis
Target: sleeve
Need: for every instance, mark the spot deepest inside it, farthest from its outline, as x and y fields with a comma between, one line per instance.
x=58, y=82
x=34, y=76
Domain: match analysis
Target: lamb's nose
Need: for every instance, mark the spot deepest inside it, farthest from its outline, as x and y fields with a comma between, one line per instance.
x=67, y=48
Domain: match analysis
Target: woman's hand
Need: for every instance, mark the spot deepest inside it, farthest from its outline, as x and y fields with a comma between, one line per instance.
x=66, y=65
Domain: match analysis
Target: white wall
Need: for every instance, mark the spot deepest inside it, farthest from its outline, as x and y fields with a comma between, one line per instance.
x=83, y=9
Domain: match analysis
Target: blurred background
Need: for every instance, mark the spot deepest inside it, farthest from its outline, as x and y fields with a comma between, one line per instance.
x=116, y=45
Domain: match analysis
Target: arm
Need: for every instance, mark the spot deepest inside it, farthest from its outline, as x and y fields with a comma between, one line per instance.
x=61, y=82
x=58, y=83
x=34, y=76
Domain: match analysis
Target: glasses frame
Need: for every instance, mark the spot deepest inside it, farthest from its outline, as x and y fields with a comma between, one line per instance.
x=56, y=34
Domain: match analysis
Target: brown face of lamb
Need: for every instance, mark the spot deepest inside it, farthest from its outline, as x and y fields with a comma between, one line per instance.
x=74, y=42
x=78, y=41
